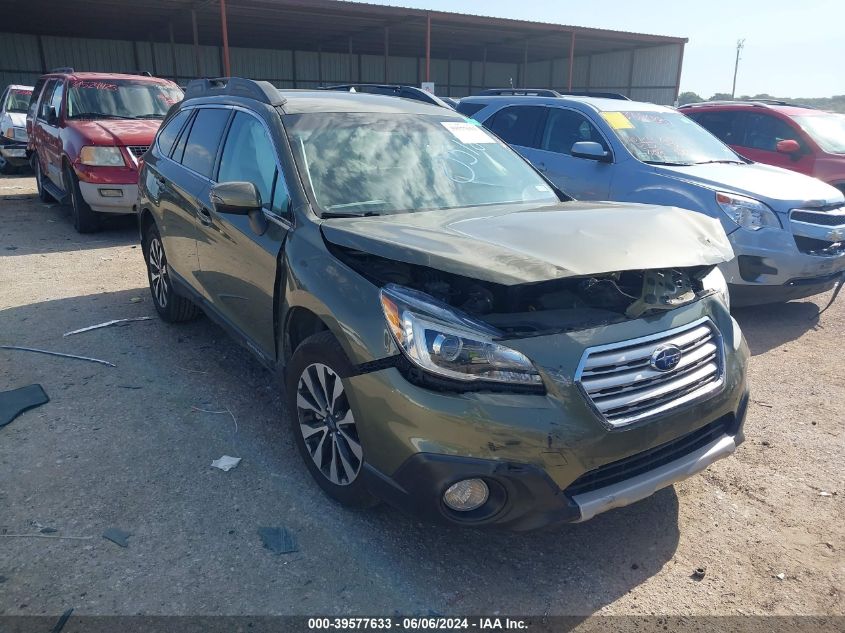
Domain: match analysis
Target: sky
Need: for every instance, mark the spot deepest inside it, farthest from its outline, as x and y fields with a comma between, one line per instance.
x=792, y=48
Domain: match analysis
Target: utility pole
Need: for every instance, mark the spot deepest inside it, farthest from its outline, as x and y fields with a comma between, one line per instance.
x=740, y=44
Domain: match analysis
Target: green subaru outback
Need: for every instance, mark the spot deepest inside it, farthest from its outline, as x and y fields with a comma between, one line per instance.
x=455, y=336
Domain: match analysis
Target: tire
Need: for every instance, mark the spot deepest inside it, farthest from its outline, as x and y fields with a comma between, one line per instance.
x=311, y=382
x=85, y=219
x=6, y=168
x=171, y=307
x=42, y=193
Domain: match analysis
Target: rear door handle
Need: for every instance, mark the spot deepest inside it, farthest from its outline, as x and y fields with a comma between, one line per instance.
x=204, y=216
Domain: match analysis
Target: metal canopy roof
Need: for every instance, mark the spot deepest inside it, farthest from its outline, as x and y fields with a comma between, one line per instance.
x=319, y=24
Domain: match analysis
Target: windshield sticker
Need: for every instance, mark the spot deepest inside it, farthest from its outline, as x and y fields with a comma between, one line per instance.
x=468, y=133
x=95, y=85
x=617, y=120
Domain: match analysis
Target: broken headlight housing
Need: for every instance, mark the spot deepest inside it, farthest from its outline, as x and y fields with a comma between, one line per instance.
x=747, y=212
x=714, y=283
x=450, y=344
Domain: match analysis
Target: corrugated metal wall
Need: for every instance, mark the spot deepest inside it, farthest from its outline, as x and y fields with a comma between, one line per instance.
x=647, y=74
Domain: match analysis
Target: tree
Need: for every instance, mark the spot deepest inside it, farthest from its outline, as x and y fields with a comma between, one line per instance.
x=688, y=97
x=721, y=96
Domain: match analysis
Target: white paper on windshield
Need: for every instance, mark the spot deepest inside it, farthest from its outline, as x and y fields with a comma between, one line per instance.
x=467, y=132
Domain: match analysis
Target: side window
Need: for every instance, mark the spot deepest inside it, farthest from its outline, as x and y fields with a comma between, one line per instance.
x=45, y=100
x=33, y=100
x=726, y=126
x=468, y=109
x=56, y=99
x=204, y=139
x=763, y=131
x=517, y=125
x=249, y=156
x=281, y=198
x=564, y=128
x=179, y=150
x=167, y=135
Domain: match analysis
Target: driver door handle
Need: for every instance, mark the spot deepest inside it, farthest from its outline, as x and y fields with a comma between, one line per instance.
x=204, y=216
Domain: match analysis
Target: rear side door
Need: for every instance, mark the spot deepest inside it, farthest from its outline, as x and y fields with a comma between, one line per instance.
x=52, y=135
x=39, y=134
x=238, y=260
x=760, y=135
x=581, y=177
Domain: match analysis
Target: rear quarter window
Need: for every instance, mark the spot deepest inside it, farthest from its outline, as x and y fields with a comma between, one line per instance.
x=168, y=134
x=204, y=139
x=517, y=125
x=468, y=109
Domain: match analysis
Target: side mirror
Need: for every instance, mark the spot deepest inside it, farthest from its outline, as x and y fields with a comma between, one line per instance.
x=235, y=198
x=240, y=198
x=788, y=146
x=590, y=150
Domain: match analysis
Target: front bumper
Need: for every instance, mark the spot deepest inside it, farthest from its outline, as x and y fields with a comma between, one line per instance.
x=99, y=199
x=549, y=456
x=769, y=267
x=13, y=151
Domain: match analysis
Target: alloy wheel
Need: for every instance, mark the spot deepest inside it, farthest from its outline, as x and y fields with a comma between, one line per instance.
x=158, y=272
x=327, y=424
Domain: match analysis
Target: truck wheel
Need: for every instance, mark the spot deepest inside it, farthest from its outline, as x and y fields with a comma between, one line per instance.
x=85, y=219
x=170, y=306
x=323, y=424
x=39, y=183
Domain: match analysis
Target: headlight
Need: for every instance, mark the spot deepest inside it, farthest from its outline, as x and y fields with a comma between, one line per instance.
x=714, y=282
x=748, y=213
x=101, y=156
x=15, y=133
x=448, y=343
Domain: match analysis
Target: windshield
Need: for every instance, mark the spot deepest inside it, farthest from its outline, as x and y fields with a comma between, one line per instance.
x=18, y=100
x=664, y=137
x=373, y=163
x=828, y=130
x=120, y=99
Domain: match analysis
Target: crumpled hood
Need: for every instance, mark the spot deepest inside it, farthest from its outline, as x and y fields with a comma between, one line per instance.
x=507, y=246
x=15, y=119
x=769, y=184
x=117, y=131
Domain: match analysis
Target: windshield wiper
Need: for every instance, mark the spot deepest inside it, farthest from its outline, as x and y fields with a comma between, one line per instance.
x=348, y=214
x=722, y=162
x=98, y=115
x=149, y=116
x=667, y=163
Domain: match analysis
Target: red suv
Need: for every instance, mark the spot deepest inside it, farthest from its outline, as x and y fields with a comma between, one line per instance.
x=87, y=133
x=776, y=133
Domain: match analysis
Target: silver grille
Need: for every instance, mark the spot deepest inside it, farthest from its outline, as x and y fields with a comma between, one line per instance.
x=622, y=385
x=834, y=217
x=138, y=150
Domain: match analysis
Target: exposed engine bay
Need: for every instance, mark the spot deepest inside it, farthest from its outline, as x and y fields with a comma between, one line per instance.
x=558, y=305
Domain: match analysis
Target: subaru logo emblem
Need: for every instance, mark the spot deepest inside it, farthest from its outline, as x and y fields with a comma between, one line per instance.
x=666, y=358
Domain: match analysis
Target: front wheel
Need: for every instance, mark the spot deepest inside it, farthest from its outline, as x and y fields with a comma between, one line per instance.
x=323, y=422
x=85, y=219
x=170, y=306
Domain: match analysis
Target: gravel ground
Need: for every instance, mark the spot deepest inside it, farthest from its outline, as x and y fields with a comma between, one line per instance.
x=125, y=447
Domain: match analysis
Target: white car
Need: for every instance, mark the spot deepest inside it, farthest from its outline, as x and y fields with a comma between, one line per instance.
x=13, y=137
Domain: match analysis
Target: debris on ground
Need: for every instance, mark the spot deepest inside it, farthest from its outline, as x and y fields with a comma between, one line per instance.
x=48, y=530
x=60, y=623
x=699, y=573
x=781, y=576
x=135, y=300
x=823, y=493
x=278, y=540
x=117, y=536
x=107, y=324
x=49, y=353
x=16, y=401
x=226, y=463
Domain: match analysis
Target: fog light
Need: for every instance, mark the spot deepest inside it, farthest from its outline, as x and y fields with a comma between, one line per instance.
x=466, y=495
x=111, y=193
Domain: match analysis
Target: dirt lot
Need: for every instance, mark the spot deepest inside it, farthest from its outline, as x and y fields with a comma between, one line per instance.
x=125, y=447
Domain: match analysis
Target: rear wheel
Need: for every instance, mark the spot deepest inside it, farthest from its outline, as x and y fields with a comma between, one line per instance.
x=170, y=306
x=323, y=422
x=85, y=219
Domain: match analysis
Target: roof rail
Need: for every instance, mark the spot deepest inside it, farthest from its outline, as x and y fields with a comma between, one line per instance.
x=760, y=103
x=62, y=69
x=599, y=95
x=262, y=91
x=518, y=92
